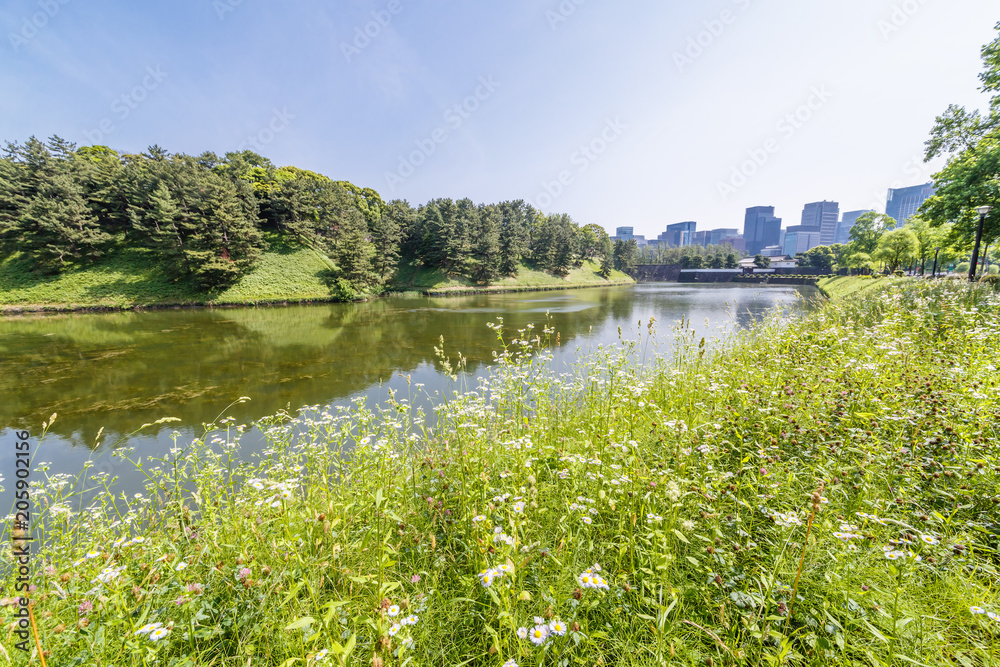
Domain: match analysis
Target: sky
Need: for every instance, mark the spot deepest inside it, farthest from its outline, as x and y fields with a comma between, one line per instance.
x=627, y=113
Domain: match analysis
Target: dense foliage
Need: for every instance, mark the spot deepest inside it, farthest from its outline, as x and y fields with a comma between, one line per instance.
x=206, y=218
x=824, y=491
x=971, y=178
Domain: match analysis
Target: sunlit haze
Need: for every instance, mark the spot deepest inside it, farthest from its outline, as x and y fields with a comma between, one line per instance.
x=640, y=114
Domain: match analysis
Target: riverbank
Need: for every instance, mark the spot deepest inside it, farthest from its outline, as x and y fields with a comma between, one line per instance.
x=287, y=274
x=821, y=490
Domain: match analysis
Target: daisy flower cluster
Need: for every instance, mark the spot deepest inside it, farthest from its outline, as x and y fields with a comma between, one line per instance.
x=590, y=578
x=786, y=520
x=542, y=632
x=155, y=631
x=278, y=491
x=992, y=615
x=489, y=575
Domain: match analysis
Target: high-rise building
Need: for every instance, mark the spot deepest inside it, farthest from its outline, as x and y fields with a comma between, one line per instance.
x=626, y=234
x=800, y=238
x=826, y=216
x=679, y=234
x=738, y=242
x=761, y=228
x=902, y=203
x=716, y=235
x=701, y=238
x=846, y=223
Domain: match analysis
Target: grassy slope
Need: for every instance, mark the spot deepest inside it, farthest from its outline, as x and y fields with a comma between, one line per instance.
x=130, y=277
x=844, y=286
x=437, y=280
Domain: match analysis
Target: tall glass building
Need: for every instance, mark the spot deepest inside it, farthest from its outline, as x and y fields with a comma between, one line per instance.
x=679, y=234
x=826, y=216
x=846, y=223
x=761, y=229
x=902, y=203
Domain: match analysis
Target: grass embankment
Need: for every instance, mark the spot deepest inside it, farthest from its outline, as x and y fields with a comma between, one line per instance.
x=131, y=277
x=437, y=281
x=286, y=273
x=844, y=286
x=824, y=491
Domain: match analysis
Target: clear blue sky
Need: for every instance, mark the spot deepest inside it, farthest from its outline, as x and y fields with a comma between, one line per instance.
x=665, y=123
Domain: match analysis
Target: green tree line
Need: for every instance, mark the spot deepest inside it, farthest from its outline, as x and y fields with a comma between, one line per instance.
x=207, y=219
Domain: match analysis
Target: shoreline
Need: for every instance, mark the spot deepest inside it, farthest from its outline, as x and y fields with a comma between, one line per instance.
x=70, y=308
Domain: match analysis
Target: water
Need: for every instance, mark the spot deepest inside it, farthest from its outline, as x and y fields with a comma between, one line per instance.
x=118, y=371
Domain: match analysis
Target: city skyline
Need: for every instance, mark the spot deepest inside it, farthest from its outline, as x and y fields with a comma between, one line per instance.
x=822, y=218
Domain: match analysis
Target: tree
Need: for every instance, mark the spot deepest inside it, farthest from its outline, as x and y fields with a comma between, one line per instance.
x=513, y=235
x=928, y=238
x=193, y=218
x=486, y=250
x=625, y=255
x=354, y=253
x=858, y=260
x=732, y=261
x=971, y=176
x=867, y=230
x=897, y=247
x=717, y=261
x=820, y=257
x=387, y=233
x=46, y=214
x=761, y=262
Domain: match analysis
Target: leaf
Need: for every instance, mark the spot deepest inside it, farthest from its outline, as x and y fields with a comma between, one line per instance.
x=694, y=561
x=301, y=623
x=680, y=536
x=874, y=631
x=292, y=593
x=349, y=646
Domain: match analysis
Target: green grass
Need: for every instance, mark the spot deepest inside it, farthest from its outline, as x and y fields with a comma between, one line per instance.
x=131, y=277
x=740, y=502
x=287, y=272
x=844, y=286
x=438, y=281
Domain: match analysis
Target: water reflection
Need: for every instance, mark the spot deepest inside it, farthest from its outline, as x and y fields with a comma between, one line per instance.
x=120, y=370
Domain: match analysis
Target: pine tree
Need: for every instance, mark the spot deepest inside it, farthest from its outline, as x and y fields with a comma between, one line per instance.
x=513, y=236
x=387, y=237
x=355, y=252
x=195, y=220
x=54, y=223
x=487, y=245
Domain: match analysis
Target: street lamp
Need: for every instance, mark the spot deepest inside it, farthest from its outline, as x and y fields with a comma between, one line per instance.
x=983, y=212
x=934, y=272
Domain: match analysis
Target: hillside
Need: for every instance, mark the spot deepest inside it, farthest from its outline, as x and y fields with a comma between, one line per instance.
x=286, y=273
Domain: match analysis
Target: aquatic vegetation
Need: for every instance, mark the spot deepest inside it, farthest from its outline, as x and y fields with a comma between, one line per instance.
x=817, y=491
